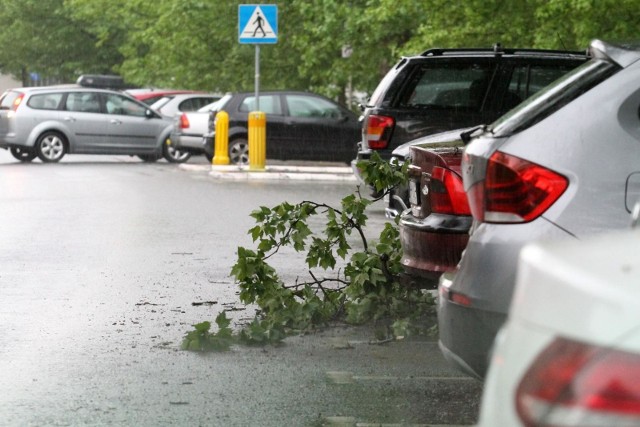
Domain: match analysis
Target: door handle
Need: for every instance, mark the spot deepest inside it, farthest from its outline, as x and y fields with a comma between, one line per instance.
x=69, y=119
x=115, y=122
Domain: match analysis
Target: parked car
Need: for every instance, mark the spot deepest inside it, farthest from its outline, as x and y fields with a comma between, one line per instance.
x=435, y=230
x=149, y=96
x=300, y=126
x=189, y=129
x=51, y=121
x=447, y=89
x=569, y=352
x=566, y=163
x=170, y=105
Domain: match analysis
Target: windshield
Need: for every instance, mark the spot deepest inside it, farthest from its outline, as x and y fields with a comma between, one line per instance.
x=217, y=105
x=553, y=97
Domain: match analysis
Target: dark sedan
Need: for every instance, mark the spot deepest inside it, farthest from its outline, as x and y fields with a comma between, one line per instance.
x=300, y=126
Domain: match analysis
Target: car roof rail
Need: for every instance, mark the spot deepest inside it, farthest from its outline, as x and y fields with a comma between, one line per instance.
x=497, y=49
x=102, y=81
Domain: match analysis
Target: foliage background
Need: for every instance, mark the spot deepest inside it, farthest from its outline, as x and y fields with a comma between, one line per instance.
x=193, y=44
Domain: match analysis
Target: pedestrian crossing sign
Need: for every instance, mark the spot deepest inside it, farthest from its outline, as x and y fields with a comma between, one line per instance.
x=258, y=23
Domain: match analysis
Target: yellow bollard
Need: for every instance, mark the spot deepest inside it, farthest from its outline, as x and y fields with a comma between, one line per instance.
x=221, y=156
x=257, y=140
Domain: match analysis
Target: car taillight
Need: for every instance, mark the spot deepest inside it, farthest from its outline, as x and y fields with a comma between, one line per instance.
x=576, y=384
x=17, y=102
x=184, y=121
x=514, y=190
x=446, y=192
x=379, y=130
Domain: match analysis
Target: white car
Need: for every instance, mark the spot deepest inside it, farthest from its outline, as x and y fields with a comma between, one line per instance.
x=569, y=353
x=190, y=127
x=172, y=104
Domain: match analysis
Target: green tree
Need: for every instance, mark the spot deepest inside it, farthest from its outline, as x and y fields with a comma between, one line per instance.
x=194, y=44
x=42, y=37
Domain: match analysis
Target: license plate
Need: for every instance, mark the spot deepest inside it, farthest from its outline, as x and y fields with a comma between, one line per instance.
x=413, y=193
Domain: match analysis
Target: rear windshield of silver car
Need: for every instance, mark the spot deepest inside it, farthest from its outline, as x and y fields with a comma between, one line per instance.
x=553, y=97
x=7, y=100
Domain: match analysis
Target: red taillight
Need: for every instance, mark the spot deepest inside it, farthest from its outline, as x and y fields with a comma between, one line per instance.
x=514, y=190
x=446, y=192
x=379, y=130
x=184, y=121
x=577, y=384
x=17, y=102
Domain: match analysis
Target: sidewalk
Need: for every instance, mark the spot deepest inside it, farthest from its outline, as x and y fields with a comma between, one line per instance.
x=306, y=171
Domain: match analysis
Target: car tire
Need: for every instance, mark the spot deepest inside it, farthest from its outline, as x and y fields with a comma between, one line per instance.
x=23, y=154
x=51, y=146
x=173, y=155
x=239, y=152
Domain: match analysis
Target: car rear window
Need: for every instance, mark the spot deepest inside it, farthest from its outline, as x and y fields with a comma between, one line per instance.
x=448, y=85
x=553, y=97
x=45, y=101
x=7, y=100
x=194, y=104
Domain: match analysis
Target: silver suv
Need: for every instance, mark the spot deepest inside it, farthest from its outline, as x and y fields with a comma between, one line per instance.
x=49, y=122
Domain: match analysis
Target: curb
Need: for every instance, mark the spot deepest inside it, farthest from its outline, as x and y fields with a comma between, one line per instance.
x=275, y=172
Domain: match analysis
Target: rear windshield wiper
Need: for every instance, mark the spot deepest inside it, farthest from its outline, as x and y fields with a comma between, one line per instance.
x=467, y=135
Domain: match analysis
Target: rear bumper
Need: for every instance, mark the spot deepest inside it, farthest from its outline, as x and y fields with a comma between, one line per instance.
x=190, y=143
x=432, y=246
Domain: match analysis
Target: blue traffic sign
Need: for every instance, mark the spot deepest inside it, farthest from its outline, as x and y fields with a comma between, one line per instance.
x=258, y=23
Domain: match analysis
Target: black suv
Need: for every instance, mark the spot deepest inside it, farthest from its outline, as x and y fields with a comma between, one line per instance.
x=446, y=89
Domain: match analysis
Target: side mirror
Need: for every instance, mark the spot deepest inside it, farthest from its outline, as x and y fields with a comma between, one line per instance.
x=149, y=114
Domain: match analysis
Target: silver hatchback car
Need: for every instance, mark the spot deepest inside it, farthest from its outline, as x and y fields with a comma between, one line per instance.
x=563, y=165
x=49, y=122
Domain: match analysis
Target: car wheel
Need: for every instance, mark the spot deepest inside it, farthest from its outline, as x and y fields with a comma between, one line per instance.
x=51, y=147
x=239, y=152
x=148, y=158
x=173, y=155
x=23, y=154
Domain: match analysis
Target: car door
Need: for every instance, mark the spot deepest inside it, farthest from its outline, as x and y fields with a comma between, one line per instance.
x=320, y=129
x=129, y=130
x=84, y=122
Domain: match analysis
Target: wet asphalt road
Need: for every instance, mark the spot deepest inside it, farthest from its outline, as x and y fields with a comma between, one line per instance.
x=101, y=260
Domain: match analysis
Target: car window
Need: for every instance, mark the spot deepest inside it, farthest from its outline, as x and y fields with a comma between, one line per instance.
x=118, y=104
x=553, y=97
x=86, y=102
x=45, y=101
x=309, y=106
x=217, y=105
x=448, y=85
x=161, y=102
x=269, y=104
x=529, y=79
x=7, y=100
x=194, y=104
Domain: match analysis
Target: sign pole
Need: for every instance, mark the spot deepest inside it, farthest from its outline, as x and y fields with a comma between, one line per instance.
x=257, y=78
x=257, y=24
